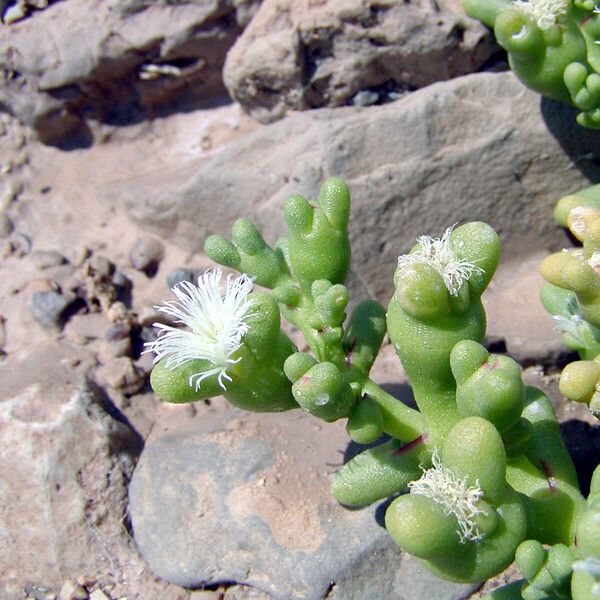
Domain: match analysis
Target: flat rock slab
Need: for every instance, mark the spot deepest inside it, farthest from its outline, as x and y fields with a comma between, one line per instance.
x=231, y=496
x=480, y=147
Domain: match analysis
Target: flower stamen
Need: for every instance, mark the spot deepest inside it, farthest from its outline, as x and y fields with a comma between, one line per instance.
x=453, y=494
x=217, y=322
x=438, y=253
x=544, y=13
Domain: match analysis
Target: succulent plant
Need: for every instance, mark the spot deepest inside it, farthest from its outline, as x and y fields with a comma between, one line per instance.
x=480, y=470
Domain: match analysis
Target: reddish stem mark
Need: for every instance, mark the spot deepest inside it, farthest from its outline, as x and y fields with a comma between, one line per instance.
x=305, y=379
x=490, y=366
x=586, y=19
x=422, y=438
x=549, y=476
x=348, y=358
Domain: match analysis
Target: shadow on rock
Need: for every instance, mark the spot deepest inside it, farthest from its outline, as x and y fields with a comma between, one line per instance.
x=582, y=145
x=583, y=443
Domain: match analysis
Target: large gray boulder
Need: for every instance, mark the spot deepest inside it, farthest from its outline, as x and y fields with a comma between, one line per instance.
x=114, y=61
x=476, y=147
x=299, y=54
x=64, y=469
x=238, y=497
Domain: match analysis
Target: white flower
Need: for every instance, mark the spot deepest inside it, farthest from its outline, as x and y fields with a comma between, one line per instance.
x=438, y=254
x=545, y=13
x=454, y=495
x=217, y=323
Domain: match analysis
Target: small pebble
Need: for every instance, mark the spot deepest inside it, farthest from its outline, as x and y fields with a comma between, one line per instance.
x=98, y=595
x=102, y=266
x=48, y=308
x=14, y=13
x=118, y=331
x=121, y=374
x=180, y=274
x=146, y=363
x=117, y=312
x=79, y=255
x=41, y=285
x=120, y=348
x=148, y=334
x=21, y=244
x=72, y=591
x=8, y=195
x=6, y=225
x=146, y=254
x=122, y=281
x=86, y=581
x=45, y=259
x=365, y=98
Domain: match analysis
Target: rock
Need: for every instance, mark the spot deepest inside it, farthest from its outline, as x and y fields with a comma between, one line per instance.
x=300, y=54
x=21, y=244
x=9, y=193
x=516, y=315
x=101, y=266
x=65, y=461
x=118, y=331
x=14, y=13
x=121, y=280
x=49, y=308
x=134, y=58
x=86, y=327
x=44, y=259
x=98, y=288
x=72, y=591
x=118, y=313
x=120, y=348
x=447, y=153
x=244, y=498
x=180, y=274
x=146, y=254
x=121, y=374
x=204, y=595
x=6, y=225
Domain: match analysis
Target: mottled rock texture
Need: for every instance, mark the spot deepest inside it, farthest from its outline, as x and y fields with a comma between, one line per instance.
x=65, y=464
x=302, y=54
x=480, y=147
x=242, y=497
x=114, y=61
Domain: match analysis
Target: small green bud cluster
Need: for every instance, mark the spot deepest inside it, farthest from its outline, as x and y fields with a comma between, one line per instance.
x=572, y=295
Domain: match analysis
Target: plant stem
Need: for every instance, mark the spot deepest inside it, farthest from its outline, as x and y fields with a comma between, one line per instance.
x=399, y=421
